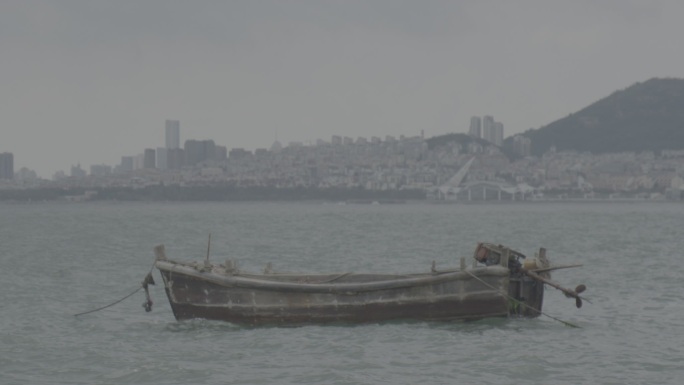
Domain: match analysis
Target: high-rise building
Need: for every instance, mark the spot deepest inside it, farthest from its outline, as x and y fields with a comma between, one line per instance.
x=172, y=134
x=175, y=158
x=475, y=127
x=197, y=151
x=488, y=128
x=162, y=158
x=100, y=170
x=138, y=161
x=6, y=165
x=126, y=164
x=238, y=153
x=149, y=158
x=220, y=153
x=78, y=172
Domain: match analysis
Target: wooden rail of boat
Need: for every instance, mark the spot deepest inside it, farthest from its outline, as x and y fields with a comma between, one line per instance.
x=275, y=282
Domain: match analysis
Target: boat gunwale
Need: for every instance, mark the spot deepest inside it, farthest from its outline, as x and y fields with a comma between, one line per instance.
x=251, y=282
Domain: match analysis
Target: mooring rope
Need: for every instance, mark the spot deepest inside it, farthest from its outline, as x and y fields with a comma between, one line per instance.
x=147, y=304
x=521, y=303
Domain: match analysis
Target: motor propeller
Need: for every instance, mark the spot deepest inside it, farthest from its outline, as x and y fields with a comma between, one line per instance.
x=568, y=292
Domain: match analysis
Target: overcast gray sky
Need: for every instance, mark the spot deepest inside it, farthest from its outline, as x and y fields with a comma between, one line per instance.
x=89, y=81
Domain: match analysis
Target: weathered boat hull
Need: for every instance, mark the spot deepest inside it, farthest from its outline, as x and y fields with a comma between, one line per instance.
x=212, y=292
x=194, y=297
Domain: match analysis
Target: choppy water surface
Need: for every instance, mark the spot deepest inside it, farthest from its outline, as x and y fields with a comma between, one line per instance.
x=61, y=259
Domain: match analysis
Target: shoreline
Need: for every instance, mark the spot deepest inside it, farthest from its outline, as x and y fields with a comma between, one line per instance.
x=338, y=195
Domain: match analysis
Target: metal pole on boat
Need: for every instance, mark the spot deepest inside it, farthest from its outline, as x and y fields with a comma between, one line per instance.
x=206, y=259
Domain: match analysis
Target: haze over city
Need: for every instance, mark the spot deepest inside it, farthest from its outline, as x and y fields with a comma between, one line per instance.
x=87, y=82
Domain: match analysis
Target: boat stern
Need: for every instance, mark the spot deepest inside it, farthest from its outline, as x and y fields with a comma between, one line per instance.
x=525, y=294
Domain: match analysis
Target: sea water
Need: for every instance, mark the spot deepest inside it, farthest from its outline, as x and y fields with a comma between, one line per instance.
x=59, y=259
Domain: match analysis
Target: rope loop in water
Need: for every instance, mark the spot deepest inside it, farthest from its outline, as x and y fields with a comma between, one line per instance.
x=148, y=301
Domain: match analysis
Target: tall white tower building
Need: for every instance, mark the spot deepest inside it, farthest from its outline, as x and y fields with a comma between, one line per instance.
x=488, y=128
x=475, y=127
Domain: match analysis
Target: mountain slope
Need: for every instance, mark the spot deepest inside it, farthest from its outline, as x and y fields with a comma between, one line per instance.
x=646, y=116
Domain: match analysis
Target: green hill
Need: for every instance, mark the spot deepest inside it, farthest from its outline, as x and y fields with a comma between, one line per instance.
x=647, y=116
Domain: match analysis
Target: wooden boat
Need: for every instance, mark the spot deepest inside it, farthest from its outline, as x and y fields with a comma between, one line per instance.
x=500, y=283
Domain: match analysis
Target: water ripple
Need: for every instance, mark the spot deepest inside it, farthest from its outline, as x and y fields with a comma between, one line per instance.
x=59, y=260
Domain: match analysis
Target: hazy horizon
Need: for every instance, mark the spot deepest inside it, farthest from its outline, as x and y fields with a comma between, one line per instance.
x=90, y=81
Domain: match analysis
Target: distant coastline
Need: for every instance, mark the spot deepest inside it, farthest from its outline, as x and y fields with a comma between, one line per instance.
x=216, y=193
x=226, y=193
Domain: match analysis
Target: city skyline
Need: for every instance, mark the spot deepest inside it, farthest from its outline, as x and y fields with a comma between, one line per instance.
x=408, y=166
x=196, y=151
x=89, y=82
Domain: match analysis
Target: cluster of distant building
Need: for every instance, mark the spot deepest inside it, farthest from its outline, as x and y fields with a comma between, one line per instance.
x=200, y=153
x=170, y=157
x=487, y=128
x=493, y=132
x=452, y=170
